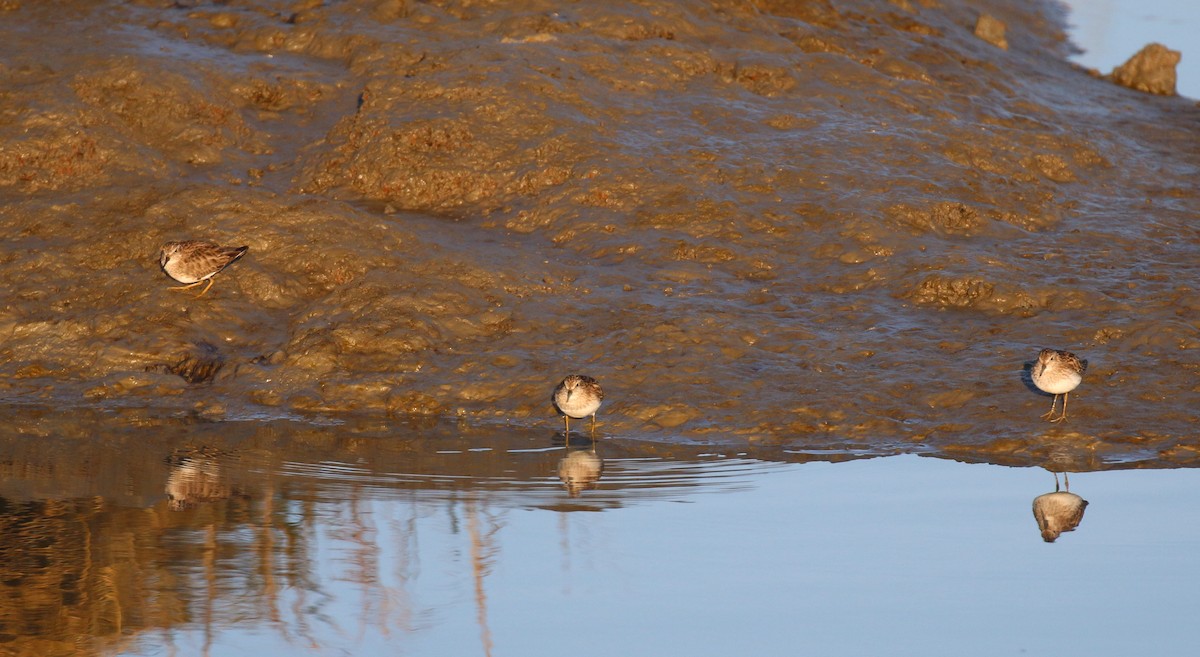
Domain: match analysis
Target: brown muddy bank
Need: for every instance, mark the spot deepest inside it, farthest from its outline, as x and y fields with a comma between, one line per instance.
x=782, y=224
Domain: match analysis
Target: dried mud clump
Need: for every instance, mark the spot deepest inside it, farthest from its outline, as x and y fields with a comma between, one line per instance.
x=947, y=292
x=947, y=218
x=1151, y=70
x=201, y=365
x=991, y=29
x=972, y=293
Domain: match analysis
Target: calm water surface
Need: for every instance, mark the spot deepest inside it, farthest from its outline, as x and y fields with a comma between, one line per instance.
x=228, y=549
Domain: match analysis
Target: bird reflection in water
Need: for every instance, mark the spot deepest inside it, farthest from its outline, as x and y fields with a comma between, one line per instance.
x=580, y=469
x=195, y=479
x=1058, y=512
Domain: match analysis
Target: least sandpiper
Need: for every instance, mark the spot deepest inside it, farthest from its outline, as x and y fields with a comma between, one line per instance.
x=193, y=262
x=1058, y=373
x=1058, y=512
x=577, y=397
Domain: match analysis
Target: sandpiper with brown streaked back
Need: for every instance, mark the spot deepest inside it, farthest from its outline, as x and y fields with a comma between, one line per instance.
x=193, y=262
x=1058, y=373
x=578, y=396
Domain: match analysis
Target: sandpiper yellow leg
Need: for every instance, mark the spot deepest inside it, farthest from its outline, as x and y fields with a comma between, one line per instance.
x=1047, y=416
x=210, y=282
x=1064, y=411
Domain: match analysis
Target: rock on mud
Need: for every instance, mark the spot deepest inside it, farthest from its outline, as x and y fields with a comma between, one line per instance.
x=991, y=29
x=1151, y=70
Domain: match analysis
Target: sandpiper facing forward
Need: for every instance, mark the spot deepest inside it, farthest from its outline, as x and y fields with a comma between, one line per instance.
x=193, y=262
x=1058, y=373
x=577, y=397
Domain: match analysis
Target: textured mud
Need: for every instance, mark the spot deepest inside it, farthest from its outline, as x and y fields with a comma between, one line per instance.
x=780, y=225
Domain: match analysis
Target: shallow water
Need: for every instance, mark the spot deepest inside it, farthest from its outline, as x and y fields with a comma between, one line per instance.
x=231, y=539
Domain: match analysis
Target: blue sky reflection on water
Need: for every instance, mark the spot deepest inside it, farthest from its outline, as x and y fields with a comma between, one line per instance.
x=890, y=556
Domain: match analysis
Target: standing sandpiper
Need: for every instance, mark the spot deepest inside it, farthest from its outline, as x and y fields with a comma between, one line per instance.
x=1058, y=373
x=192, y=262
x=577, y=397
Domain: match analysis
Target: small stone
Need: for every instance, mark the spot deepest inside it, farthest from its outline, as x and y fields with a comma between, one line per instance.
x=1151, y=70
x=991, y=29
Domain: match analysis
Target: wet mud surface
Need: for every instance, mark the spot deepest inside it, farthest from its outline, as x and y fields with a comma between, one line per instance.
x=772, y=225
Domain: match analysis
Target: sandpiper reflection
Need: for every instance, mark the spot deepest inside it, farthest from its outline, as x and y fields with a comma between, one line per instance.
x=1058, y=512
x=580, y=469
x=195, y=479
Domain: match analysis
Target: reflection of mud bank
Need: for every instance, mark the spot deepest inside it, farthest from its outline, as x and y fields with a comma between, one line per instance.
x=765, y=222
x=136, y=459
x=157, y=526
